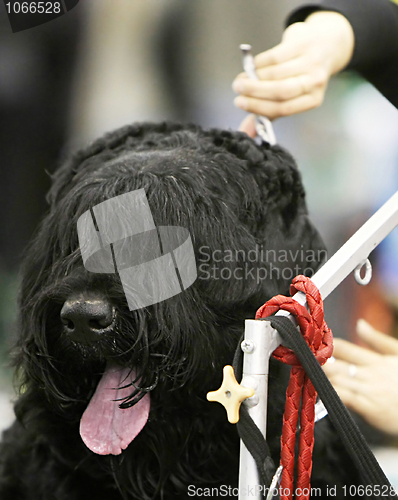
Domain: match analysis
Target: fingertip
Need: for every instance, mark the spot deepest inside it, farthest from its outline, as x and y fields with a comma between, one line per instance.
x=283, y=52
x=238, y=86
x=327, y=367
x=337, y=342
x=248, y=126
x=363, y=327
x=367, y=332
x=343, y=349
x=241, y=102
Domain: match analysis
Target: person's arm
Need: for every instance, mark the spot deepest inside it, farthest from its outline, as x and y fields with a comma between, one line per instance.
x=322, y=39
x=375, y=26
x=367, y=379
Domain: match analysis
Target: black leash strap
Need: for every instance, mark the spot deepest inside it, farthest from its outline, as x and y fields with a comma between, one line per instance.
x=254, y=441
x=349, y=432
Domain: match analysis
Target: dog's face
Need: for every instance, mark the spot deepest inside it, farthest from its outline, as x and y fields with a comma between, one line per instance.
x=234, y=198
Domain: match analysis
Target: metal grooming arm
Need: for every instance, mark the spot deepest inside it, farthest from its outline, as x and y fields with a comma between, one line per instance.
x=261, y=339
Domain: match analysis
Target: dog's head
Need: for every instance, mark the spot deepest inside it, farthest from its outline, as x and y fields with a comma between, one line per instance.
x=243, y=206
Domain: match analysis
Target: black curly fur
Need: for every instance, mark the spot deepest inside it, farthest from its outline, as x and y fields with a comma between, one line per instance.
x=231, y=195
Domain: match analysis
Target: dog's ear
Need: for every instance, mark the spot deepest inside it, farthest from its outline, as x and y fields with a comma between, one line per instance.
x=278, y=205
x=287, y=228
x=283, y=225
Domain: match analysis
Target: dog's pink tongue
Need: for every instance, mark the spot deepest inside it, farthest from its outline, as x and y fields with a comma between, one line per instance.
x=104, y=427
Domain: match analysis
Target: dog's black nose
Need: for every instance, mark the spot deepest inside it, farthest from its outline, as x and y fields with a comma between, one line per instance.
x=86, y=320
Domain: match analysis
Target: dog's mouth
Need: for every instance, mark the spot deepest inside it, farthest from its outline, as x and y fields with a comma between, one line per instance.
x=106, y=428
x=119, y=408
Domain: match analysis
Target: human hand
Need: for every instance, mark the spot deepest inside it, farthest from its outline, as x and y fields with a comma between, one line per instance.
x=294, y=74
x=367, y=379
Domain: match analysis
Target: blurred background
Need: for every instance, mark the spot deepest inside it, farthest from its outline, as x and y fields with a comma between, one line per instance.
x=111, y=62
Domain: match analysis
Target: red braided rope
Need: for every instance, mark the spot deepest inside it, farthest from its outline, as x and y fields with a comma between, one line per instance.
x=319, y=337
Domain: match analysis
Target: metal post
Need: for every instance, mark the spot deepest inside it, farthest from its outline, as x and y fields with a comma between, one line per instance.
x=260, y=342
x=261, y=339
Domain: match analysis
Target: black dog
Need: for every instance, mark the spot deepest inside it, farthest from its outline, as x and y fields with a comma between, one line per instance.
x=75, y=326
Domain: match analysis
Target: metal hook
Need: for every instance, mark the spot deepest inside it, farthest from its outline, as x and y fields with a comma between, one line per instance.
x=368, y=272
x=264, y=126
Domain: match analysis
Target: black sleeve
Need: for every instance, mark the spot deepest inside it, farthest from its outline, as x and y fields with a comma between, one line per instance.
x=375, y=25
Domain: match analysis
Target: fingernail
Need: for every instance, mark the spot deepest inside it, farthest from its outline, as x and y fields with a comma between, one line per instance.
x=238, y=86
x=240, y=102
